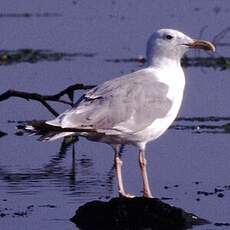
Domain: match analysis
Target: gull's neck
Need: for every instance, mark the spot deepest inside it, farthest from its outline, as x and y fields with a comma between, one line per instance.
x=165, y=67
x=163, y=62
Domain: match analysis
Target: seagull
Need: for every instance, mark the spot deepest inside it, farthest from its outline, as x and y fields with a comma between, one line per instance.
x=132, y=109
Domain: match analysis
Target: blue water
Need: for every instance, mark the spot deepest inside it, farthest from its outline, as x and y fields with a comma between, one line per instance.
x=36, y=173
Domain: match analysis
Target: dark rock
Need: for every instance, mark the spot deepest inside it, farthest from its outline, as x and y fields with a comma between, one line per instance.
x=135, y=213
x=30, y=206
x=166, y=198
x=204, y=193
x=216, y=190
x=20, y=213
x=48, y=206
x=222, y=224
x=227, y=187
x=221, y=195
x=2, y=215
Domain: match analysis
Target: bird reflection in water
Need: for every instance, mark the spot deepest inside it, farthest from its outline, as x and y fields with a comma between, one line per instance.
x=56, y=173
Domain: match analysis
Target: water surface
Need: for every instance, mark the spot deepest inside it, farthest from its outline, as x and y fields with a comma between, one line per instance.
x=42, y=184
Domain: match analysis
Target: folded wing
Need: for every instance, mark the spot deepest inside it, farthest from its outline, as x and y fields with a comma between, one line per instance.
x=128, y=104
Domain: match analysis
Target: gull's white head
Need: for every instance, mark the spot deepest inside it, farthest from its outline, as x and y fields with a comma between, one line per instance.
x=172, y=44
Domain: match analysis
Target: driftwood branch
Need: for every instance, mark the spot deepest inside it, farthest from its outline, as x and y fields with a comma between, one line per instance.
x=69, y=91
x=27, y=96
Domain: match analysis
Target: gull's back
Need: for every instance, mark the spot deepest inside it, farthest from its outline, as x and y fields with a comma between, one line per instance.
x=121, y=106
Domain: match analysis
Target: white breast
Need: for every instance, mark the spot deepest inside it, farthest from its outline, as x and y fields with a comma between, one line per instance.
x=175, y=80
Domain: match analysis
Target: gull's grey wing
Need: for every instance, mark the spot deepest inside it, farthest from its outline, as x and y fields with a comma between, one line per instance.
x=129, y=103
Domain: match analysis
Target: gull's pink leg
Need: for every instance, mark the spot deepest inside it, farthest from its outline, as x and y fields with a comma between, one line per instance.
x=118, y=165
x=143, y=164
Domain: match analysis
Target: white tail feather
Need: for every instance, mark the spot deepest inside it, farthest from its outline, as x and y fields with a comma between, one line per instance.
x=59, y=135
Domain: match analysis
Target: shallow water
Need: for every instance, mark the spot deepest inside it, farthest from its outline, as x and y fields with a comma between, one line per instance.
x=42, y=184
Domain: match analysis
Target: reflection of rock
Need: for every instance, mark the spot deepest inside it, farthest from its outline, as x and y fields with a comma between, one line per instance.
x=136, y=213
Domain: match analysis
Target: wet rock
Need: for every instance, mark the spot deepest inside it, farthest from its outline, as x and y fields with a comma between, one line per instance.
x=221, y=195
x=48, y=206
x=222, y=224
x=216, y=190
x=227, y=187
x=170, y=187
x=166, y=198
x=30, y=207
x=135, y=213
x=205, y=193
x=21, y=214
x=2, y=215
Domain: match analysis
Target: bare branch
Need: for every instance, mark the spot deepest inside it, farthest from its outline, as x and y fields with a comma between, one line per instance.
x=69, y=90
x=44, y=98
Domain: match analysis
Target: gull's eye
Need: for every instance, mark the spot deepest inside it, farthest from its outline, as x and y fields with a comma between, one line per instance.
x=169, y=37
